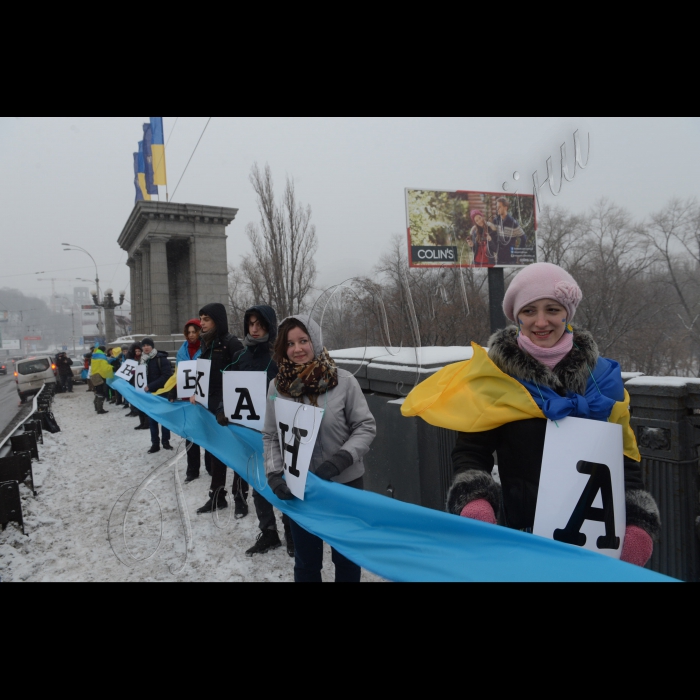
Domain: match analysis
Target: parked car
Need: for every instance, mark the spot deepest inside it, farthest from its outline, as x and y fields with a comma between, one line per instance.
x=32, y=374
x=3, y=368
x=78, y=366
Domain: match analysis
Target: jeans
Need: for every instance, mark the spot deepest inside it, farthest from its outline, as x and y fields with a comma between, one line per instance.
x=309, y=555
x=155, y=440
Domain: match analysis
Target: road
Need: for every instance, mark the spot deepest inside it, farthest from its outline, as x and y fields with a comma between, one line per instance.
x=9, y=401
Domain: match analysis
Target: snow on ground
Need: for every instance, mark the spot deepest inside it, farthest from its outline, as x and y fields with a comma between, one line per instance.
x=88, y=473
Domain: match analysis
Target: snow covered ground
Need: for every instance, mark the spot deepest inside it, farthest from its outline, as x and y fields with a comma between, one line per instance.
x=75, y=529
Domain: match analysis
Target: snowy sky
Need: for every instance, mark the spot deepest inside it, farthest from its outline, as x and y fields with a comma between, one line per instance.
x=70, y=179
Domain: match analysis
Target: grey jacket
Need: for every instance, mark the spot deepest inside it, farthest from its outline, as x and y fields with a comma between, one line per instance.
x=347, y=423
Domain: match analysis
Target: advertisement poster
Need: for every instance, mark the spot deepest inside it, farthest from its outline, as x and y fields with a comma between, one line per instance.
x=91, y=323
x=470, y=229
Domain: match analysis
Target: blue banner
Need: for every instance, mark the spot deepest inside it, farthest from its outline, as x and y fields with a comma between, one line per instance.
x=397, y=541
x=151, y=187
x=137, y=184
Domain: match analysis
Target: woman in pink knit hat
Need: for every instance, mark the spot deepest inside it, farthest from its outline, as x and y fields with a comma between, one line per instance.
x=562, y=370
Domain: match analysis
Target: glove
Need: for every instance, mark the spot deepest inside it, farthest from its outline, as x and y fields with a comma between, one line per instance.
x=480, y=510
x=280, y=488
x=222, y=419
x=335, y=466
x=638, y=547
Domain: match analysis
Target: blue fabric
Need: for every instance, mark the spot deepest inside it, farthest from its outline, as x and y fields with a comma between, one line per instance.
x=395, y=540
x=605, y=389
x=158, y=135
x=139, y=193
x=183, y=354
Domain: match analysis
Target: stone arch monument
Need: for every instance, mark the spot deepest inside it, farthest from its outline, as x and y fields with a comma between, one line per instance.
x=178, y=261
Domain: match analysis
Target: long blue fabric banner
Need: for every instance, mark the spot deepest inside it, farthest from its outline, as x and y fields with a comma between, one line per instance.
x=397, y=541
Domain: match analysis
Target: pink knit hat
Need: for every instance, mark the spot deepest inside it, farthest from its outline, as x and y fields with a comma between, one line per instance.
x=542, y=281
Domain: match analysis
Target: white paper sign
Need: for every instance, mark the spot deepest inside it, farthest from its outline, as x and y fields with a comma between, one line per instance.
x=581, y=500
x=186, y=379
x=141, y=375
x=297, y=426
x=127, y=370
x=201, y=394
x=245, y=398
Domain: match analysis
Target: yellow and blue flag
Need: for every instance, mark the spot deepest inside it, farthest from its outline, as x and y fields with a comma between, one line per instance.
x=151, y=187
x=160, y=176
x=140, y=173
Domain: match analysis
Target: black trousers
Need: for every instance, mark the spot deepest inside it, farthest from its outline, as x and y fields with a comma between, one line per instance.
x=194, y=460
x=266, y=514
x=309, y=555
x=219, y=472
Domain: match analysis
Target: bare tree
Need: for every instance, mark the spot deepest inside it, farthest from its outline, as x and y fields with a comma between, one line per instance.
x=281, y=269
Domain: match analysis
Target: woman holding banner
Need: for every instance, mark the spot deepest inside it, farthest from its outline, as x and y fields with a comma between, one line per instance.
x=542, y=369
x=307, y=375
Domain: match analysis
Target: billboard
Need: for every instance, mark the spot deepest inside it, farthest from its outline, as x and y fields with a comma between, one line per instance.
x=10, y=344
x=91, y=323
x=470, y=229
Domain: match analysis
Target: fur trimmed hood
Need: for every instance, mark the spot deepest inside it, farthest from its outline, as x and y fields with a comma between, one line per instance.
x=570, y=375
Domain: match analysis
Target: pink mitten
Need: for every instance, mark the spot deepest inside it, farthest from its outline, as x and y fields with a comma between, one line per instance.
x=481, y=511
x=638, y=547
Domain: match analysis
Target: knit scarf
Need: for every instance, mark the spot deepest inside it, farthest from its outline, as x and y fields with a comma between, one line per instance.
x=251, y=342
x=209, y=338
x=147, y=358
x=310, y=380
x=193, y=348
x=549, y=357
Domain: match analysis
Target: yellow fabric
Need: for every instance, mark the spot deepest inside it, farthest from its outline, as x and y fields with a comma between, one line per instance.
x=142, y=185
x=471, y=397
x=475, y=397
x=116, y=352
x=171, y=384
x=159, y=170
x=102, y=367
x=622, y=416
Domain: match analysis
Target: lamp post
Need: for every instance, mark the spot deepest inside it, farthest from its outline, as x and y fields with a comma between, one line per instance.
x=68, y=248
x=109, y=304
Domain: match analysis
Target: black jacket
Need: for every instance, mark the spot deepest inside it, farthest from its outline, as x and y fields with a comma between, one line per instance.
x=64, y=365
x=222, y=353
x=520, y=445
x=159, y=371
x=258, y=358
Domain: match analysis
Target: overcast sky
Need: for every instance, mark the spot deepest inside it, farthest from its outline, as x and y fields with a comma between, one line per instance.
x=70, y=179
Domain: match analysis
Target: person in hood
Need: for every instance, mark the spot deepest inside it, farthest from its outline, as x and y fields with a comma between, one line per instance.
x=65, y=372
x=260, y=332
x=119, y=358
x=308, y=375
x=101, y=371
x=134, y=354
x=191, y=351
x=541, y=369
x=159, y=370
x=221, y=349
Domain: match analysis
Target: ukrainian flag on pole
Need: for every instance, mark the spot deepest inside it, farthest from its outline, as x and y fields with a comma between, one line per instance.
x=160, y=176
x=140, y=172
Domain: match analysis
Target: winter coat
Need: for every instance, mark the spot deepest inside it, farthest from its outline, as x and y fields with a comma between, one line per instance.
x=520, y=445
x=183, y=354
x=100, y=365
x=159, y=370
x=64, y=364
x=347, y=423
x=221, y=352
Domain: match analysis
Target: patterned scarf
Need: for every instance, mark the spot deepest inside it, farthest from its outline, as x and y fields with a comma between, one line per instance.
x=311, y=380
x=145, y=359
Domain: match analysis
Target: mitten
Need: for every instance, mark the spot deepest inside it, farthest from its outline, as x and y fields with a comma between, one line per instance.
x=335, y=466
x=222, y=419
x=280, y=488
x=638, y=546
x=480, y=510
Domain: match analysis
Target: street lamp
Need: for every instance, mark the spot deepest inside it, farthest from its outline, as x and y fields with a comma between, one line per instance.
x=109, y=305
x=69, y=248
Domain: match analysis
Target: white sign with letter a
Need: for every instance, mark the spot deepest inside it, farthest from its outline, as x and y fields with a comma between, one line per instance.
x=581, y=500
x=297, y=426
x=245, y=398
x=141, y=376
x=186, y=379
x=202, y=383
x=127, y=370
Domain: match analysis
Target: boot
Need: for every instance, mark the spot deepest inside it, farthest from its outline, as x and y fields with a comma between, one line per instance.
x=144, y=423
x=268, y=540
x=289, y=540
x=211, y=506
x=132, y=414
x=99, y=406
x=241, y=509
x=154, y=449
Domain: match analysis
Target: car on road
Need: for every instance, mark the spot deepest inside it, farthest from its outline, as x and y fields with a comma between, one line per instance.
x=33, y=373
x=78, y=366
x=3, y=368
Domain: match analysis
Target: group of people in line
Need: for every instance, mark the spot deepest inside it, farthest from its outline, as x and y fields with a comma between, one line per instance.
x=542, y=352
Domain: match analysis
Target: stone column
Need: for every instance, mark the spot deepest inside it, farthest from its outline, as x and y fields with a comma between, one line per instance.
x=137, y=298
x=160, y=288
x=132, y=287
x=146, y=327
